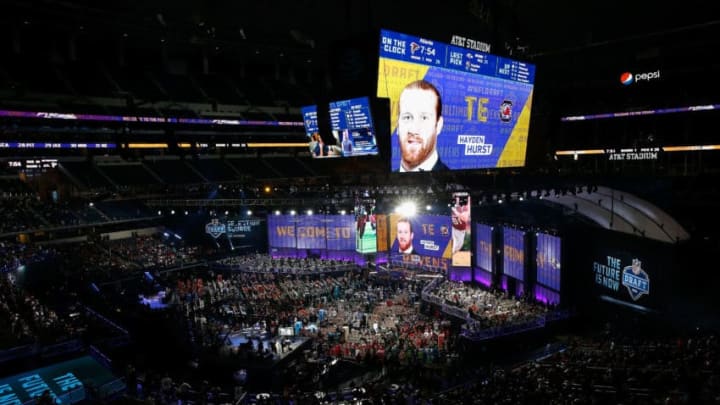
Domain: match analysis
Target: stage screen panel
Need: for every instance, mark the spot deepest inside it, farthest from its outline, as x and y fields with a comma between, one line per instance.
x=484, y=247
x=366, y=228
x=548, y=257
x=310, y=232
x=514, y=253
x=281, y=231
x=485, y=105
x=382, y=236
x=352, y=127
x=461, y=230
x=423, y=235
x=340, y=232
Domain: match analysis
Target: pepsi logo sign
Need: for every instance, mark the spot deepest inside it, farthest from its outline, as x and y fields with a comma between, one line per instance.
x=628, y=78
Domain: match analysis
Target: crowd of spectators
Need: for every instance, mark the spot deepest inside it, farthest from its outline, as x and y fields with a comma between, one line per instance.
x=264, y=263
x=24, y=319
x=18, y=214
x=153, y=252
x=487, y=309
x=611, y=368
x=375, y=321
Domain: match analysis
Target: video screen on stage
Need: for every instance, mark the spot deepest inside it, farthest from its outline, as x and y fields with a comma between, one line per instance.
x=424, y=235
x=451, y=107
x=330, y=232
x=366, y=228
x=461, y=229
x=514, y=253
x=548, y=254
x=382, y=234
x=484, y=247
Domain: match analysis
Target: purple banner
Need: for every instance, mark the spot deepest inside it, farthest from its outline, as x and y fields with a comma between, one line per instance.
x=340, y=231
x=331, y=232
x=310, y=232
x=55, y=145
x=547, y=256
x=622, y=114
x=424, y=235
x=483, y=277
x=546, y=295
x=514, y=253
x=125, y=118
x=281, y=231
x=483, y=247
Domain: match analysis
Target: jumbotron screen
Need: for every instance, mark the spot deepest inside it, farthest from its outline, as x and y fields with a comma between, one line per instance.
x=483, y=114
x=352, y=127
x=352, y=132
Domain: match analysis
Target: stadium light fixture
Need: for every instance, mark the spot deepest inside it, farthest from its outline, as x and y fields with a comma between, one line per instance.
x=407, y=209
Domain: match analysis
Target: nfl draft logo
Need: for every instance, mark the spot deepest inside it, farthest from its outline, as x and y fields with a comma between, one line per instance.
x=636, y=280
x=506, y=111
x=215, y=228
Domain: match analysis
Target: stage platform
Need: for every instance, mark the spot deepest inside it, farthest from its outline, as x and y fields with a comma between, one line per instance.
x=274, y=350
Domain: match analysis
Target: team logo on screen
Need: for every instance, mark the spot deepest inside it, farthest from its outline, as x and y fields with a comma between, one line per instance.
x=636, y=280
x=414, y=47
x=626, y=78
x=215, y=228
x=444, y=231
x=506, y=111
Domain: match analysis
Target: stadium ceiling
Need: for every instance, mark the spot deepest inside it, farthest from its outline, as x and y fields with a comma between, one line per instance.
x=525, y=27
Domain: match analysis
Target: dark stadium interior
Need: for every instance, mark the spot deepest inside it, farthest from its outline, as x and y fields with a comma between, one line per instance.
x=173, y=233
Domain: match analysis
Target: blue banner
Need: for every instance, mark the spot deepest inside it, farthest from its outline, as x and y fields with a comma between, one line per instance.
x=310, y=231
x=484, y=247
x=281, y=231
x=331, y=232
x=548, y=257
x=341, y=232
x=514, y=253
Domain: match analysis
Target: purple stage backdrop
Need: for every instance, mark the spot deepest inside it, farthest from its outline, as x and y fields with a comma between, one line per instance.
x=546, y=295
x=514, y=253
x=340, y=231
x=331, y=232
x=483, y=247
x=310, y=232
x=463, y=274
x=281, y=231
x=548, y=255
x=430, y=235
x=483, y=277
